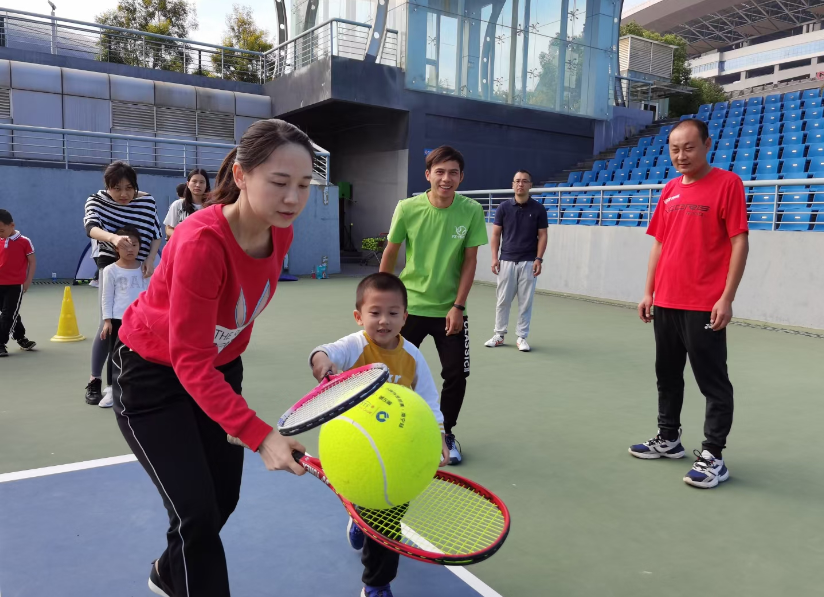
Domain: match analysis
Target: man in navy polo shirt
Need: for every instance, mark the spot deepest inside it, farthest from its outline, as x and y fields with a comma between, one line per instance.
x=521, y=223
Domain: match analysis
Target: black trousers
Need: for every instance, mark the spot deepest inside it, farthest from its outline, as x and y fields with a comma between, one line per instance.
x=380, y=565
x=10, y=323
x=679, y=334
x=454, y=354
x=196, y=471
x=112, y=340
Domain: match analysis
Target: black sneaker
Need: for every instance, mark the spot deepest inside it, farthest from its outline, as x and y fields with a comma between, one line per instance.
x=94, y=392
x=3, y=351
x=156, y=584
x=26, y=344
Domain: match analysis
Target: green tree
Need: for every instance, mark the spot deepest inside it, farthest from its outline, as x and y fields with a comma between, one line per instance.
x=680, y=70
x=242, y=32
x=174, y=18
x=706, y=92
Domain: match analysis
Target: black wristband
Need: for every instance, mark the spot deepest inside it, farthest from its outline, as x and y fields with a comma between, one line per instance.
x=459, y=307
x=539, y=259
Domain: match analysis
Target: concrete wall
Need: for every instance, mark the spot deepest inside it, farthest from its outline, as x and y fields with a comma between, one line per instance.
x=47, y=206
x=625, y=122
x=783, y=283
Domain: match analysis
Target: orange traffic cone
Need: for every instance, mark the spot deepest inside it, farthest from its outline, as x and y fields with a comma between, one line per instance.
x=67, y=330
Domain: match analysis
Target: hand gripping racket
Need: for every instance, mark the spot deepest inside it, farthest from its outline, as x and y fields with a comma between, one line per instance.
x=454, y=522
x=334, y=396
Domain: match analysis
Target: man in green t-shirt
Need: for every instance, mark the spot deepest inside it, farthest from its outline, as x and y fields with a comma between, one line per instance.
x=443, y=231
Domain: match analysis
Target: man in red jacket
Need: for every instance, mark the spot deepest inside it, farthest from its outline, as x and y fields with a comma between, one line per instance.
x=695, y=266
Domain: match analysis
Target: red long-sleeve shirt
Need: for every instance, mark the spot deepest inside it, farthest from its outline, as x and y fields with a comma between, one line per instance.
x=198, y=312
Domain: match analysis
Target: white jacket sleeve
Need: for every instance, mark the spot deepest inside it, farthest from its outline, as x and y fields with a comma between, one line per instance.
x=107, y=292
x=424, y=386
x=344, y=353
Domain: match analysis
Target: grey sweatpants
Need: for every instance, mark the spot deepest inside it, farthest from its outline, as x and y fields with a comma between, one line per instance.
x=515, y=278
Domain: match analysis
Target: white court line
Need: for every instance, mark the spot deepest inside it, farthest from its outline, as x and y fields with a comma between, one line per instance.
x=461, y=572
x=65, y=468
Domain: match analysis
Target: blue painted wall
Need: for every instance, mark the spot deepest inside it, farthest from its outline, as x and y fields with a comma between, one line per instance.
x=47, y=206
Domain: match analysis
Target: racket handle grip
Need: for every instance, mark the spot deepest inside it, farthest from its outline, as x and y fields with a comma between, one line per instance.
x=297, y=455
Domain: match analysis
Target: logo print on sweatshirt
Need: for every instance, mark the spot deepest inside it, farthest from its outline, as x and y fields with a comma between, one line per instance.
x=224, y=336
x=460, y=232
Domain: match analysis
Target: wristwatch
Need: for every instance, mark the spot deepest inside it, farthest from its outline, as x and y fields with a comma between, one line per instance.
x=459, y=307
x=539, y=259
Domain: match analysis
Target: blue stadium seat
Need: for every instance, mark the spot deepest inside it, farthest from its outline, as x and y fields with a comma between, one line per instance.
x=552, y=216
x=815, y=150
x=743, y=169
x=645, y=141
x=746, y=154
x=813, y=103
x=663, y=161
x=794, y=168
x=672, y=173
x=770, y=108
x=657, y=173
x=755, y=101
x=620, y=175
x=815, y=134
x=763, y=199
x=570, y=216
x=629, y=164
x=665, y=130
x=749, y=131
x=639, y=175
x=792, y=96
x=660, y=140
x=791, y=115
x=598, y=165
x=793, y=152
x=761, y=221
x=687, y=116
x=775, y=98
x=794, y=197
x=735, y=114
x=775, y=129
x=588, y=177
x=549, y=198
x=734, y=122
x=813, y=114
x=646, y=162
x=723, y=155
x=611, y=217
x=766, y=170
x=752, y=120
x=811, y=93
x=772, y=118
x=583, y=201
x=725, y=144
x=819, y=222
x=721, y=106
x=653, y=151
x=641, y=201
x=704, y=108
x=793, y=126
x=589, y=217
x=721, y=165
x=796, y=138
x=792, y=106
x=621, y=153
x=715, y=127
x=702, y=117
x=754, y=110
x=769, y=141
x=630, y=217
x=794, y=221
x=732, y=133
x=636, y=153
x=574, y=177
x=604, y=176
x=768, y=153
x=736, y=104
x=816, y=167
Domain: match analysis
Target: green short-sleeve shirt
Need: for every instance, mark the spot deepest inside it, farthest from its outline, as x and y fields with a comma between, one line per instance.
x=435, y=242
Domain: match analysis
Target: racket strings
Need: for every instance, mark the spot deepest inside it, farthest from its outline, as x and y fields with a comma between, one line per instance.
x=331, y=396
x=447, y=517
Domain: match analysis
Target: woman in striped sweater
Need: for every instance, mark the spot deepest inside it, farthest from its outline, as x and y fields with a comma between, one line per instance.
x=121, y=204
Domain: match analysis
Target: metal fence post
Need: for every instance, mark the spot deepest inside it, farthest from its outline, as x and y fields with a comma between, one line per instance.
x=65, y=152
x=128, y=161
x=184, y=58
x=222, y=76
x=601, y=209
x=144, y=63
x=775, y=208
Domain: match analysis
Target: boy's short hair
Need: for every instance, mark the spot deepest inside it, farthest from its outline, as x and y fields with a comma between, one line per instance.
x=442, y=154
x=5, y=217
x=130, y=231
x=382, y=282
x=181, y=188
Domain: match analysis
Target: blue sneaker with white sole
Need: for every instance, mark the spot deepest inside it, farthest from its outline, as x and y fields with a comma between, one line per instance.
x=658, y=447
x=355, y=535
x=707, y=471
x=455, y=456
x=376, y=591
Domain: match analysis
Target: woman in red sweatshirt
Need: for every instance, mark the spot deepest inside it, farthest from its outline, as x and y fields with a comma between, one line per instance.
x=177, y=391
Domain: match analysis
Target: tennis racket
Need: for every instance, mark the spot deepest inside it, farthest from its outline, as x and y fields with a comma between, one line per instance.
x=334, y=396
x=454, y=522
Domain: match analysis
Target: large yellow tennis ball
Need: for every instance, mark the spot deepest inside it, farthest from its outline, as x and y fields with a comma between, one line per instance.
x=383, y=452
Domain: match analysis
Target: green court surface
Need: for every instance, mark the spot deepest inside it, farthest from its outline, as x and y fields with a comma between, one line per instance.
x=548, y=431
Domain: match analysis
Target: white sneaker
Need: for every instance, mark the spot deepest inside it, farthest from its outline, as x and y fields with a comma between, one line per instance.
x=496, y=340
x=522, y=345
x=107, y=401
x=707, y=471
x=94, y=284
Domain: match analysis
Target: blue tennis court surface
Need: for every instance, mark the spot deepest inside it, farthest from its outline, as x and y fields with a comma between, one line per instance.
x=94, y=532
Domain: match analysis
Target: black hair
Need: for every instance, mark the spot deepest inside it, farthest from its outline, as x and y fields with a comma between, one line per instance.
x=442, y=154
x=181, y=188
x=5, y=217
x=383, y=282
x=527, y=172
x=255, y=147
x=130, y=231
x=188, y=198
x=703, y=130
x=118, y=171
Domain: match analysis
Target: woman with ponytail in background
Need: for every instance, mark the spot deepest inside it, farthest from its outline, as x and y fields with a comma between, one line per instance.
x=195, y=194
x=178, y=371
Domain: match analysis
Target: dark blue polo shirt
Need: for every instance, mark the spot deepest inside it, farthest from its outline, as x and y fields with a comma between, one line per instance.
x=520, y=223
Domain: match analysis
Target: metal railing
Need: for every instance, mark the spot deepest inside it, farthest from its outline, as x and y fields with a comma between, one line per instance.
x=68, y=37
x=41, y=144
x=788, y=204
x=335, y=37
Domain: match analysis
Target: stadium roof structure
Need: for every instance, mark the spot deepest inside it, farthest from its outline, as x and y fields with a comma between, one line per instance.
x=711, y=24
